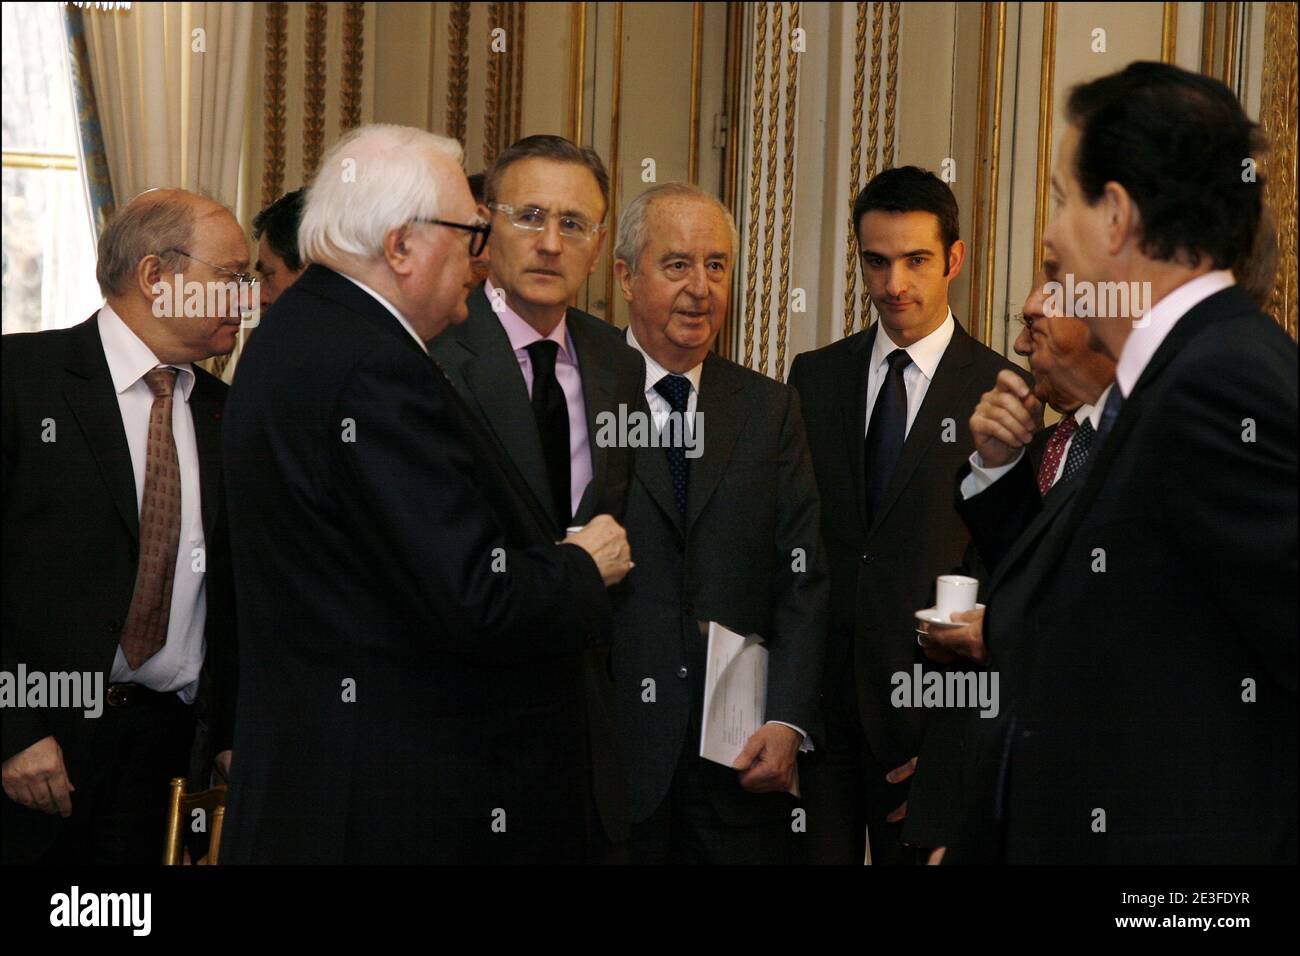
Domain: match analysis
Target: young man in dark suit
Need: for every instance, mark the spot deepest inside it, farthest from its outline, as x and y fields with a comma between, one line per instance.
x=724, y=520
x=411, y=636
x=1144, y=622
x=541, y=375
x=116, y=562
x=887, y=412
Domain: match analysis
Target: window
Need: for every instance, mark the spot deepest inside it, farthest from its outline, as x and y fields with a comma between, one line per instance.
x=48, y=241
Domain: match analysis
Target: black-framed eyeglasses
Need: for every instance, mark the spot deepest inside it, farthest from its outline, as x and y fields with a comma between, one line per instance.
x=535, y=218
x=479, y=232
x=246, y=279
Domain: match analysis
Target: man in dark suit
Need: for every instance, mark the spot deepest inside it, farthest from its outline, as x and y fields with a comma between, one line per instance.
x=725, y=531
x=116, y=562
x=541, y=375
x=887, y=411
x=411, y=636
x=1144, y=622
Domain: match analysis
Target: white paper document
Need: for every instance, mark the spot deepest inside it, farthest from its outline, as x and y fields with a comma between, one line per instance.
x=735, y=692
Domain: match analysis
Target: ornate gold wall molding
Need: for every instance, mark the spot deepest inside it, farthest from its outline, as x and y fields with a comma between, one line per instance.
x=354, y=18
x=273, y=109
x=615, y=141
x=855, y=170
x=1046, y=80
x=771, y=174
x=1169, y=34
x=458, y=71
x=995, y=150
x=492, y=95
x=577, y=67
x=873, y=108
x=757, y=94
x=981, y=149
x=787, y=193
x=1278, y=118
x=313, y=118
x=693, y=134
x=891, y=92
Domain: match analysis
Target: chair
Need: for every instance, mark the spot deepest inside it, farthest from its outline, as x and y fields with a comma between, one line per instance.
x=212, y=802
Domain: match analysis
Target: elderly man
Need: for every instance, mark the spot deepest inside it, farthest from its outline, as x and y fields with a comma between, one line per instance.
x=726, y=531
x=541, y=375
x=411, y=636
x=1144, y=624
x=116, y=564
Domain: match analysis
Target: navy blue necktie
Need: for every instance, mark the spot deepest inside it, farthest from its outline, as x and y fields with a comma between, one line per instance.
x=676, y=390
x=886, y=432
x=551, y=410
x=1109, y=412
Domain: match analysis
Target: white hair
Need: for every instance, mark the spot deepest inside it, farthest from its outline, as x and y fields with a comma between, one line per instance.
x=634, y=234
x=375, y=179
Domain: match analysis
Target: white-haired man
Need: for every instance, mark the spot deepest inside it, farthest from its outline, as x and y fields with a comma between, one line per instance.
x=410, y=634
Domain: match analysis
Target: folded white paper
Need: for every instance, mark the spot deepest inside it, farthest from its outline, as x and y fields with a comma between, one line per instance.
x=735, y=691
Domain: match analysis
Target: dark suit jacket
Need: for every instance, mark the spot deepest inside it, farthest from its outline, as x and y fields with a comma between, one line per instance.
x=883, y=573
x=999, y=514
x=411, y=636
x=751, y=501
x=1126, y=685
x=71, y=544
x=479, y=360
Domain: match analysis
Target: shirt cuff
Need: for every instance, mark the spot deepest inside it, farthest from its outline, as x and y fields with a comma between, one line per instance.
x=981, y=477
x=806, y=746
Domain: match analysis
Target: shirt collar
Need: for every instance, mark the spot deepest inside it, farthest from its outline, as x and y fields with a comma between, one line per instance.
x=520, y=333
x=654, y=371
x=391, y=308
x=1146, y=337
x=129, y=358
x=925, y=353
x=1093, y=413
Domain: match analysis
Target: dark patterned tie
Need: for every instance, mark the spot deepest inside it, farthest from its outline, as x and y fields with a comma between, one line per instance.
x=887, y=431
x=1109, y=412
x=1077, y=456
x=1055, y=449
x=145, y=630
x=551, y=410
x=676, y=390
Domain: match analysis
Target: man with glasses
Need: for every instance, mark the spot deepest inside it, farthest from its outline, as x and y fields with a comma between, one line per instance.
x=411, y=635
x=116, y=562
x=540, y=374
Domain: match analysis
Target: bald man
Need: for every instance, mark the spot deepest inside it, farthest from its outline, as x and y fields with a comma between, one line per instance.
x=117, y=593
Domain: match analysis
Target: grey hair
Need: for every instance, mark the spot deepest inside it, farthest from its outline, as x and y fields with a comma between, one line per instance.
x=140, y=229
x=633, y=233
x=375, y=179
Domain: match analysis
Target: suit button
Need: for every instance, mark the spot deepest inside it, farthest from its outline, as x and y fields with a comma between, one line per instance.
x=681, y=672
x=868, y=558
x=114, y=626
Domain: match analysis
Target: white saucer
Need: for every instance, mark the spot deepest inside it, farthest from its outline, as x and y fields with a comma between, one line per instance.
x=931, y=616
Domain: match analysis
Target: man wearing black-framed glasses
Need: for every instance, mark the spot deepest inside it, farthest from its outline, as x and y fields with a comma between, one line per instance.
x=539, y=373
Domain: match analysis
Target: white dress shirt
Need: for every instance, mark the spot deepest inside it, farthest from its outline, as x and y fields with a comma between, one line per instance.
x=176, y=665
x=391, y=308
x=659, y=411
x=1160, y=321
x=925, y=354
x=981, y=475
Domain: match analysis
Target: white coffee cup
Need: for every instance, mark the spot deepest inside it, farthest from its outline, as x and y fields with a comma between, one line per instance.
x=955, y=592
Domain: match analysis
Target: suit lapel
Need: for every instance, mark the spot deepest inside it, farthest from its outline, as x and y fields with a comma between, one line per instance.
x=493, y=377
x=722, y=416
x=951, y=376
x=597, y=374
x=1060, y=495
x=853, y=406
x=90, y=394
x=651, y=470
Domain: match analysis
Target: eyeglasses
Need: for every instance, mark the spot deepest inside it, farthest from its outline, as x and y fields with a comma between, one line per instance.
x=534, y=219
x=479, y=232
x=245, y=279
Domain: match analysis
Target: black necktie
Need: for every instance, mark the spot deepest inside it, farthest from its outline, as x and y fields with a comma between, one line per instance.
x=886, y=432
x=676, y=390
x=1109, y=412
x=551, y=411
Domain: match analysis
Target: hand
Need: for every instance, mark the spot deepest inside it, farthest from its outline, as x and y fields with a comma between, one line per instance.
x=936, y=856
x=605, y=540
x=1005, y=419
x=222, y=761
x=36, y=778
x=767, y=763
x=944, y=645
x=898, y=775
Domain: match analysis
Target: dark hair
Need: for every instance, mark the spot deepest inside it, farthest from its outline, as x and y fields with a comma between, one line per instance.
x=1176, y=141
x=476, y=186
x=555, y=148
x=911, y=189
x=279, y=221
